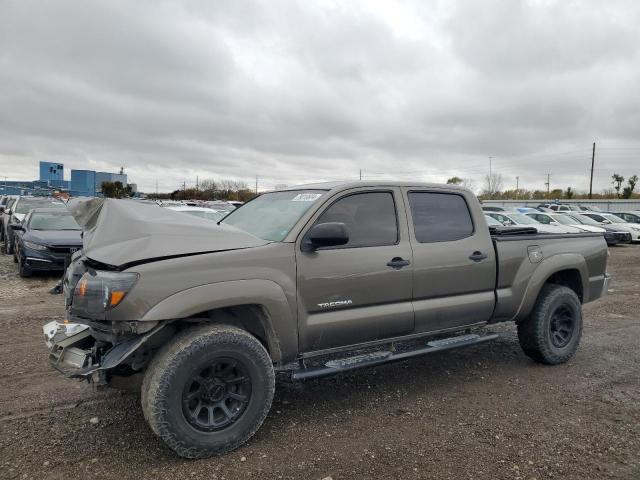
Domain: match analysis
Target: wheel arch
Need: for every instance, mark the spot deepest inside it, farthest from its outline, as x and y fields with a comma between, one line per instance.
x=569, y=270
x=259, y=306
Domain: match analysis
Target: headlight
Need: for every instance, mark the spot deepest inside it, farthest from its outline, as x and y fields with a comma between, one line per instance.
x=33, y=246
x=637, y=229
x=100, y=290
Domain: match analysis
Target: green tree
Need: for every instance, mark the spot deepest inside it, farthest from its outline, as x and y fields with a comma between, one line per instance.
x=628, y=190
x=617, y=183
x=455, y=181
x=115, y=190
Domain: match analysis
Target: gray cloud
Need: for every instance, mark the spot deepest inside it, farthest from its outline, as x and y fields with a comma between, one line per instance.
x=306, y=91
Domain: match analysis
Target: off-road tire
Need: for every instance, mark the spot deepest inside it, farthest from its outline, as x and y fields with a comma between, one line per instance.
x=176, y=362
x=535, y=332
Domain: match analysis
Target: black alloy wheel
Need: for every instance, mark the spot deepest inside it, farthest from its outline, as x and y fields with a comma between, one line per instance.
x=217, y=395
x=561, y=326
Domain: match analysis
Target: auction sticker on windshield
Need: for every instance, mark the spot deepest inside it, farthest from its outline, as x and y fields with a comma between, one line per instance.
x=306, y=197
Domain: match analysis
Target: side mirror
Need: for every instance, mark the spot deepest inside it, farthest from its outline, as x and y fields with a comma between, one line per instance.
x=607, y=222
x=328, y=234
x=16, y=226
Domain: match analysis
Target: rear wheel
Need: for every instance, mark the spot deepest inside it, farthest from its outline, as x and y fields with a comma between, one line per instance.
x=208, y=390
x=552, y=332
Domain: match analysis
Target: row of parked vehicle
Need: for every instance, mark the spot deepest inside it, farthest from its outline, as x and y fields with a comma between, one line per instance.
x=617, y=227
x=41, y=234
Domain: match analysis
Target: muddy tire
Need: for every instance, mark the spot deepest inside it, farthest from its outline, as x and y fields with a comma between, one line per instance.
x=208, y=390
x=552, y=332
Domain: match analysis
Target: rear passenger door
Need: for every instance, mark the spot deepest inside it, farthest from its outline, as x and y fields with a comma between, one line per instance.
x=360, y=291
x=454, y=264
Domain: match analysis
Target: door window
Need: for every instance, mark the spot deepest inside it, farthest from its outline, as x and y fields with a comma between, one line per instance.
x=440, y=217
x=370, y=218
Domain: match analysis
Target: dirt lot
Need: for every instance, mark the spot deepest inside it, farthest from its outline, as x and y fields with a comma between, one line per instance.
x=486, y=412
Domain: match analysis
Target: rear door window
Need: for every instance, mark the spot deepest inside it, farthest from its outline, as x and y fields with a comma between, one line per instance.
x=440, y=217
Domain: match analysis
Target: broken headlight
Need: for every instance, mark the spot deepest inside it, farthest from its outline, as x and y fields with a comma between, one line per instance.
x=98, y=290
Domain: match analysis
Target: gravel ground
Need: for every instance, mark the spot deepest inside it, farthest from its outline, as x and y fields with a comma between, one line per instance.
x=484, y=412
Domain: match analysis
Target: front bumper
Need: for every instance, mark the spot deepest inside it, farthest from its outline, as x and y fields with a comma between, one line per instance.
x=75, y=351
x=45, y=259
x=616, y=238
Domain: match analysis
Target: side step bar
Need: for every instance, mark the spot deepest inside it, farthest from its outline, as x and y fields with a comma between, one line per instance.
x=380, y=357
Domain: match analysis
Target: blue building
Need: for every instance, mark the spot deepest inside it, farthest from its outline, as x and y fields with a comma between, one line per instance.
x=83, y=183
x=51, y=171
x=109, y=177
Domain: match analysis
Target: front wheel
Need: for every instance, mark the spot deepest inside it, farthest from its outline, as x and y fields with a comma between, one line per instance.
x=208, y=390
x=552, y=332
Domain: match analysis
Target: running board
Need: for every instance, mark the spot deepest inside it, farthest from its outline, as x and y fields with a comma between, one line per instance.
x=380, y=357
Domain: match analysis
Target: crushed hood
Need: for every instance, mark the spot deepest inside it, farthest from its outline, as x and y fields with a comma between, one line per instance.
x=125, y=232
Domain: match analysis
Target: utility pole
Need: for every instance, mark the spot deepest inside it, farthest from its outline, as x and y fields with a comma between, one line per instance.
x=548, y=184
x=184, y=190
x=593, y=158
x=490, y=179
x=256, y=184
x=360, y=174
x=156, y=188
x=517, y=186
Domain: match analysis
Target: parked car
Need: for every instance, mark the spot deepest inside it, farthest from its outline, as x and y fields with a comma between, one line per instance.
x=6, y=203
x=629, y=217
x=208, y=313
x=201, y=212
x=492, y=221
x=619, y=223
x=20, y=208
x=517, y=218
x=560, y=219
x=45, y=240
x=564, y=208
x=613, y=235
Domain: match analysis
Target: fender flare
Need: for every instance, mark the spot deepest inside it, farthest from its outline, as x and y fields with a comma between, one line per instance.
x=279, y=324
x=548, y=267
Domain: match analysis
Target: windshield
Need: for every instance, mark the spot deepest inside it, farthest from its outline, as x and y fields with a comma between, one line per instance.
x=271, y=216
x=564, y=219
x=492, y=221
x=585, y=220
x=212, y=215
x=612, y=218
x=53, y=221
x=522, y=219
x=26, y=204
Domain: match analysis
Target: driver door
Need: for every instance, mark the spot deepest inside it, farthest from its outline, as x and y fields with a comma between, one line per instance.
x=349, y=294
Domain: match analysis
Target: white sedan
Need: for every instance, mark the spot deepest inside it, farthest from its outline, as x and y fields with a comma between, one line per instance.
x=559, y=220
x=517, y=218
x=619, y=223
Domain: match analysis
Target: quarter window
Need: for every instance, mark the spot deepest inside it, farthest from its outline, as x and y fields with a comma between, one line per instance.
x=439, y=217
x=370, y=218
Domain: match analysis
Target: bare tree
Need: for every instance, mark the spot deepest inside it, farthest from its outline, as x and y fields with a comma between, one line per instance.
x=492, y=184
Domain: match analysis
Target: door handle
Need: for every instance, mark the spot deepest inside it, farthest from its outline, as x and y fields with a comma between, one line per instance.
x=398, y=263
x=477, y=256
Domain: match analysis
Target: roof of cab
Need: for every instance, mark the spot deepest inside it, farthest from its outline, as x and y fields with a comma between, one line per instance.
x=379, y=183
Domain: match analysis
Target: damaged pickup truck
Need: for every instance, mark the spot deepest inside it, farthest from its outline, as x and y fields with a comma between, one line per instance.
x=310, y=281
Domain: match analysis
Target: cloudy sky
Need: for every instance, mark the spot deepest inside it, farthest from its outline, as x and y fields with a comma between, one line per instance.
x=314, y=90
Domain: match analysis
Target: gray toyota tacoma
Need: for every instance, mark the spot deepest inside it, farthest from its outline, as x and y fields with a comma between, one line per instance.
x=307, y=282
